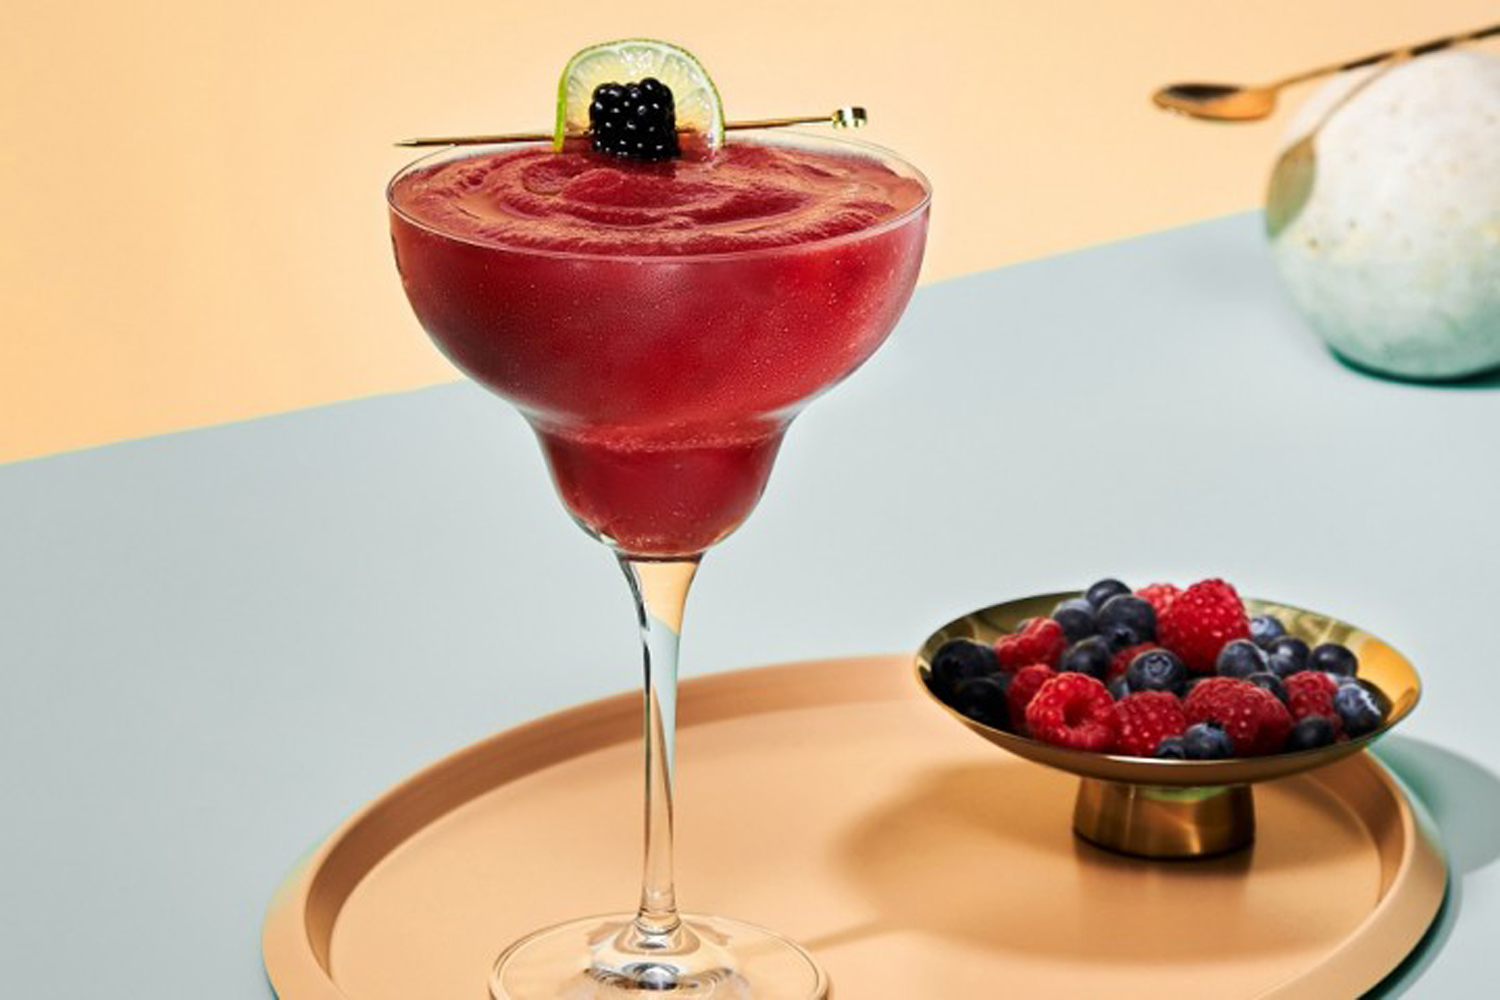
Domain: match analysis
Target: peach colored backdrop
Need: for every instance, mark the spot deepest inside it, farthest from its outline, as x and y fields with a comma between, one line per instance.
x=194, y=226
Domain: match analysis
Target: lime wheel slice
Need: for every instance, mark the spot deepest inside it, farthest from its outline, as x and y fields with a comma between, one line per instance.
x=631, y=60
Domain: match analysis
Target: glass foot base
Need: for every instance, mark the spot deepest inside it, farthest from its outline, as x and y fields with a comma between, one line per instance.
x=603, y=958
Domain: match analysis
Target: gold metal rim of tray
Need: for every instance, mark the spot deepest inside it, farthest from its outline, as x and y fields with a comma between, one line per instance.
x=1409, y=871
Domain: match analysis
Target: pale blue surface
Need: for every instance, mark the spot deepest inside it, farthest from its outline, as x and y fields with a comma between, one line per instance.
x=217, y=644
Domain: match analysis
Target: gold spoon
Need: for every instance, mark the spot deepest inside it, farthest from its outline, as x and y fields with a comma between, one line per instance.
x=1231, y=102
x=846, y=117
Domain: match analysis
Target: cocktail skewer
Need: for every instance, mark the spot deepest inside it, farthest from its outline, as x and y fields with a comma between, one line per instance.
x=1235, y=102
x=851, y=116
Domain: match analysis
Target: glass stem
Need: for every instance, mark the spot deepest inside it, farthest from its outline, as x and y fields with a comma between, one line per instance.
x=660, y=589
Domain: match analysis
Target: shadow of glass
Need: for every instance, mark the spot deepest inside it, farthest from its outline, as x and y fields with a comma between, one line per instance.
x=1462, y=797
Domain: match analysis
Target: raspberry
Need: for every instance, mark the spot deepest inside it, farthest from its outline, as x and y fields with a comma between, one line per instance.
x=1023, y=687
x=1040, y=640
x=1143, y=720
x=1121, y=661
x=1073, y=710
x=1253, y=718
x=1160, y=596
x=1309, y=692
x=1200, y=620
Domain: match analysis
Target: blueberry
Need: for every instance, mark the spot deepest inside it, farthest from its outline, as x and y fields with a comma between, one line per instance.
x=983, y=698
x=1087, y=656
x=1240, y=658
x=1269, y=681
x=1358, y=710
x=1076, y=618
x=1266, y=628
x=1376, y=695
x=1333, y=658
x=1287, y=655
x=1118, y=688
x=1156, y=670
x=1118, y=637
x=1102, y=591
x=1207, y=741
x=1309, y=733
x=958, y=660
x=1283, y=664
x=1131, y=611
x=1171, y=748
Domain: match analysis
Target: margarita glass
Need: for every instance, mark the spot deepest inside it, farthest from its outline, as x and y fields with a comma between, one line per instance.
x=659, y=325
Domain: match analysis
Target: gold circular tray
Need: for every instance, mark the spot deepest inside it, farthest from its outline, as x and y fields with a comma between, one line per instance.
x=828, y=800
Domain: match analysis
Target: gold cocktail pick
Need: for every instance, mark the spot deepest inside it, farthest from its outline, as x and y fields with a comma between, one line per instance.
x=851, y=116
x=1234, y=102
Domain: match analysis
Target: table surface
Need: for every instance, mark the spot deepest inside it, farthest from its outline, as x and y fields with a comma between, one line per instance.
x=218, y=644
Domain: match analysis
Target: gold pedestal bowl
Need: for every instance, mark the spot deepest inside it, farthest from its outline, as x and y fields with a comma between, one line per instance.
x=1179, y=808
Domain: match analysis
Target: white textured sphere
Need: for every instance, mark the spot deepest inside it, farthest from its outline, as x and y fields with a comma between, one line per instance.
x=1384, y=215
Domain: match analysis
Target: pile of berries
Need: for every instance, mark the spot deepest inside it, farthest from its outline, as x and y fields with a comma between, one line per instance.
x=1161, y=672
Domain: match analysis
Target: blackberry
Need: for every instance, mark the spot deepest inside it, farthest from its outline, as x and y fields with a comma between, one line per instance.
x=1157, y=670
x=959, y=660
x=1240, y=658
x=1087, y=656
x=635, y=120
x=1102, y=591
x=1333, y=658
x=1076, y=617
x=1265, y=628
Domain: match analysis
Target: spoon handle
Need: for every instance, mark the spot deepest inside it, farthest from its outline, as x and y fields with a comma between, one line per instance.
x=1405, y=52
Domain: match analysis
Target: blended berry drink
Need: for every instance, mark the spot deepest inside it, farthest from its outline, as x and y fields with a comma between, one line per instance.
x=659, y=303
x=659, y=324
